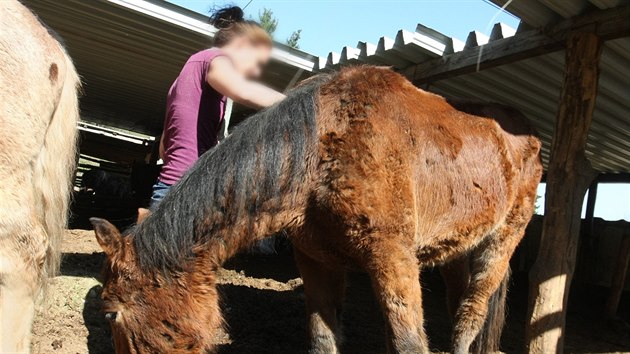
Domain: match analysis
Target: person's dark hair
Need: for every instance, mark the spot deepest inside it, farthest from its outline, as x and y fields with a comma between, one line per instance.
x=230, y=22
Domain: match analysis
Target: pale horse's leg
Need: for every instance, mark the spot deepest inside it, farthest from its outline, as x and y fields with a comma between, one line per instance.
x=22, y=255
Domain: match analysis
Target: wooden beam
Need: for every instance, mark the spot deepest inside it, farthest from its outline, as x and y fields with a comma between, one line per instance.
x=569, y=175
x=587, y=244
x=107, y=148
x=614, y=178
x=607, y=24
x=604, y=178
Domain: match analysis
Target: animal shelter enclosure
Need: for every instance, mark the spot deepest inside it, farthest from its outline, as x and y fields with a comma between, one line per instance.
x=565, y=68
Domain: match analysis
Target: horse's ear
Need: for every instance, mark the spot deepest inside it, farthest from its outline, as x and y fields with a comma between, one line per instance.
x=107, y=236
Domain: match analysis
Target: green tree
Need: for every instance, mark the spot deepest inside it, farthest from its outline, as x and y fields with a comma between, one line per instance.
x=270, y=23
x=267, y=21
x=294, y=39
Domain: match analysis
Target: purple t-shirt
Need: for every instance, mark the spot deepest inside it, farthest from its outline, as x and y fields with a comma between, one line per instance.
x=194, y=112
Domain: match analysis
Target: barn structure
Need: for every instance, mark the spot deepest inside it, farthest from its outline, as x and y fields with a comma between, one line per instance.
x=128, y=52
x=566, y=67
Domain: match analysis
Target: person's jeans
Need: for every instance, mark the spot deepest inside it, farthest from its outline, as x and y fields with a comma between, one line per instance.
x=160, y=189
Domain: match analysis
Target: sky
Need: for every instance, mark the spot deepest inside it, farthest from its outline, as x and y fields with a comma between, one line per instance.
x=612, y=202
x=329, y=25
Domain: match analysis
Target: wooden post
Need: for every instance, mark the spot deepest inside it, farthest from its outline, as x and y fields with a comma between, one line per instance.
x=587, y=244
x=621, y=270
x=590, y=213
x=154, y=155
x=568, y=176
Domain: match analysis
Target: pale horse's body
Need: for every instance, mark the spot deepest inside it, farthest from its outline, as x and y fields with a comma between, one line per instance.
x=38, y=117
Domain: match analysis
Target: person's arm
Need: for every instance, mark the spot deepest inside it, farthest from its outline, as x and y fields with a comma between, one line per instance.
x=223, y=77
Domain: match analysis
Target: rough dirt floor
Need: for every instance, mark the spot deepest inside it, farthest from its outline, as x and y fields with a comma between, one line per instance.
x=263, y=305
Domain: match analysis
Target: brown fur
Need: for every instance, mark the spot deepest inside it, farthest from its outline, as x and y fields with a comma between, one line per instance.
x=399, y=180
x=456, y=273
x=38, y=117
x=175, y=331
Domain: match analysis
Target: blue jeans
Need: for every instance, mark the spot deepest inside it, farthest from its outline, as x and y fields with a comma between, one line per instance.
x=160, y=189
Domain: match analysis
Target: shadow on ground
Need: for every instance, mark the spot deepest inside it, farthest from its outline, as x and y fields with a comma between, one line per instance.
x=99, y=333
x=264, y=320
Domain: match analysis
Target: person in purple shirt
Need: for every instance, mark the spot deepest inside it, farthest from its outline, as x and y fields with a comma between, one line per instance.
x=196, y=101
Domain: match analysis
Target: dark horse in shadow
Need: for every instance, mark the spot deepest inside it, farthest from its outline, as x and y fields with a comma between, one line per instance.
x=362, y=170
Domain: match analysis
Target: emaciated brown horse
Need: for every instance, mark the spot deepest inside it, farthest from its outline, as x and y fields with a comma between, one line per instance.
x=363, y=171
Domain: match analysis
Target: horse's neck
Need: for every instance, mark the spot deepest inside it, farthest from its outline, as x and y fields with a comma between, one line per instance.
x=229, y=238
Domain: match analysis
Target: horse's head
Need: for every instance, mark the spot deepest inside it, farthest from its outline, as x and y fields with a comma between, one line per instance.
x=151, y=313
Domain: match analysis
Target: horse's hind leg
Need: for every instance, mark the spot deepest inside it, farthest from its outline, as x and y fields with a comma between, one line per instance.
x=490, y=267
x=324, y=288
x=456, y=275
x=395, y=275
x=21, y=259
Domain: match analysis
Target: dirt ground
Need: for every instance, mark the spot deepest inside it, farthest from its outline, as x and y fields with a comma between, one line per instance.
x=263, y=305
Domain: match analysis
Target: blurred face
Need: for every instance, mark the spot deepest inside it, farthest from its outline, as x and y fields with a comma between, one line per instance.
x=249, y=58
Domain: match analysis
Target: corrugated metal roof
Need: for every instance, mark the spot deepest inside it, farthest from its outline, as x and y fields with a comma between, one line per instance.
x=405, y=49
x=531, y=85
x=128, y=52
x=543, y=12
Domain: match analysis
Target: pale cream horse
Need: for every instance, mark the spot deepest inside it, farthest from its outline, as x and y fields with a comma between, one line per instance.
x=38, y=117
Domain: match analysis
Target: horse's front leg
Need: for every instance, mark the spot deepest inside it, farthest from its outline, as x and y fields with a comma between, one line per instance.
x=395, y=275
x=324, y=288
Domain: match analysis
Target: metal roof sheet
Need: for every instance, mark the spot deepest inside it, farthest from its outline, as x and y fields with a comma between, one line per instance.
x=128, y=52
x=543, y=12
x=405, y=49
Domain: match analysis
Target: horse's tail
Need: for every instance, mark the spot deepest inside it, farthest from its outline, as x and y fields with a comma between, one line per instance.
x=489, y=338
x=55, y=165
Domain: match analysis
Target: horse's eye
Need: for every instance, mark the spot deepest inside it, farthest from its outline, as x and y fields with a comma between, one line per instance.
x=111, y=316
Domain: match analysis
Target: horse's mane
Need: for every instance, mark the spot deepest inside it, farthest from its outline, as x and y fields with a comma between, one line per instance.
x=234, y=178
